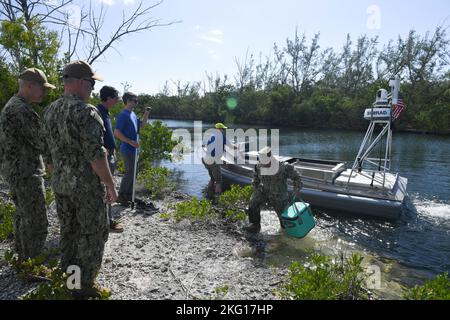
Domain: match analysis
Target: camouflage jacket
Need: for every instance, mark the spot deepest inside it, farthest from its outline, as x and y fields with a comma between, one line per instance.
x=21, y=141
x=74, y=135
x=276, y=184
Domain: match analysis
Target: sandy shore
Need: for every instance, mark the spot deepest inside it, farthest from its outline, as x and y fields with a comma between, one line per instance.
x=156, y=258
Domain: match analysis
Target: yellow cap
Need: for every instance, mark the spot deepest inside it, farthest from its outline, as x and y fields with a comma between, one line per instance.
x=220, y=125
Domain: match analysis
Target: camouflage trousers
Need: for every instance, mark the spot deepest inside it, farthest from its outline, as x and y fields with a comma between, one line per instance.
x=260, y=198
x=84, y=231
x=214, y=172
x=30, y=220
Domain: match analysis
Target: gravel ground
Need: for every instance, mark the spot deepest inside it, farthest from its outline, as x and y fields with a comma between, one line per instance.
x=156, y=258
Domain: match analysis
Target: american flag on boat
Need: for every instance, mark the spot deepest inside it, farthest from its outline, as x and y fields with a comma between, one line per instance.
x=398, y=109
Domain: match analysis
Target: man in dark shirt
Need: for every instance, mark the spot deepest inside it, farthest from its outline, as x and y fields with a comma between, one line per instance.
x=109, y=97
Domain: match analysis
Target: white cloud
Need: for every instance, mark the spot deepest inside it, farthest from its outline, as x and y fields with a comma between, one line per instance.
x=214, y=35
x=129, y=2
x=197, y=28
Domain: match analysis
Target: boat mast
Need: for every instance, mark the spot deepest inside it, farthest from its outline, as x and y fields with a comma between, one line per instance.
x=379, y=114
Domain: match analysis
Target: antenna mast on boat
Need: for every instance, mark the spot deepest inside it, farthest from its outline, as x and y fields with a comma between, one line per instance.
x=380, y=114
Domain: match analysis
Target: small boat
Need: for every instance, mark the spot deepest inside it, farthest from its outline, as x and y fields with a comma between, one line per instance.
x=367, y=188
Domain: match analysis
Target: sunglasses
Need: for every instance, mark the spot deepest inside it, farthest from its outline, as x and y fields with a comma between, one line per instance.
x=92, y=81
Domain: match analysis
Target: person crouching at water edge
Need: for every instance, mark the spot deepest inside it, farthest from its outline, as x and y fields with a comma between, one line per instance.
x=214, y=151
x=270, y=188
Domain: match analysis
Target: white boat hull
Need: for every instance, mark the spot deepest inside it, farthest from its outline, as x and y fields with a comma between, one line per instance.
x=332, y=199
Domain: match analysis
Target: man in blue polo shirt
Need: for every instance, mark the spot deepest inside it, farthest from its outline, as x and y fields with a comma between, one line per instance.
x=109, y=97
x=126, y=130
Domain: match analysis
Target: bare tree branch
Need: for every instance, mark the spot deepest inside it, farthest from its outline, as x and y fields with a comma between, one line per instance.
x=128, y=26
x=52, y=10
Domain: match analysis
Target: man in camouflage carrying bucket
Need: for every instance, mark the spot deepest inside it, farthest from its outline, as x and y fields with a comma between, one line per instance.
x=21, y=144
x=74, y=134
x=270, y=188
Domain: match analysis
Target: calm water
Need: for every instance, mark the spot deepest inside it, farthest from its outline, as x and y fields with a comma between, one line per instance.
x=413, y=248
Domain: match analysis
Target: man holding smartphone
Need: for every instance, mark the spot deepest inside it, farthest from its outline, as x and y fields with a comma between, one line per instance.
x=126, y=130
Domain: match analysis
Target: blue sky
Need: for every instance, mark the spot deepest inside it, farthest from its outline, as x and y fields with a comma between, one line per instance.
x=212, y=33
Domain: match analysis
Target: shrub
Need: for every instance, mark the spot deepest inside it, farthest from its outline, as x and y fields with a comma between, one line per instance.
x=44, y=267
x=156, y=181
x=54, y=289
x=193, y=210
x=321, y=279
x=221, y=292
x=38, y=266
x=233, y=203
x=120, y=165
x=155, y=144
x=435, y=289
x=7, y=212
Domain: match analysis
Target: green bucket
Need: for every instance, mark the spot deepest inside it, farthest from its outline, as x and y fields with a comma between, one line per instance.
x=298, y=219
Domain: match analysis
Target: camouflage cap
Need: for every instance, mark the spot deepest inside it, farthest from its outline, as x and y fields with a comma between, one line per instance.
x=81, y=70
x=36, y=75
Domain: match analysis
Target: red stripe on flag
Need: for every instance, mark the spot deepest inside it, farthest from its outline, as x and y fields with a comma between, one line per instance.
x=398, y=109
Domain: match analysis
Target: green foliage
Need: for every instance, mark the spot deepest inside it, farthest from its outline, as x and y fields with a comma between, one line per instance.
x=193, y=210
x=230, y=207
x=221, y=292
x=9, y=83
x=321, y=279
x=120, y=164
x=49, y=196
x=233, y=202
x=40, y=266
x=435, y=289
x=156, y=143
x=54, y=289
x=7, y=212
x=156, y=180
x=43, y=267
x=30, y=44
x=308, y=87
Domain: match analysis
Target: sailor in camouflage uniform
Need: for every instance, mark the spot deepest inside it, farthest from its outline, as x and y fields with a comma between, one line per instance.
x=74, y=133
x=271, y=188
x=22, y=166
